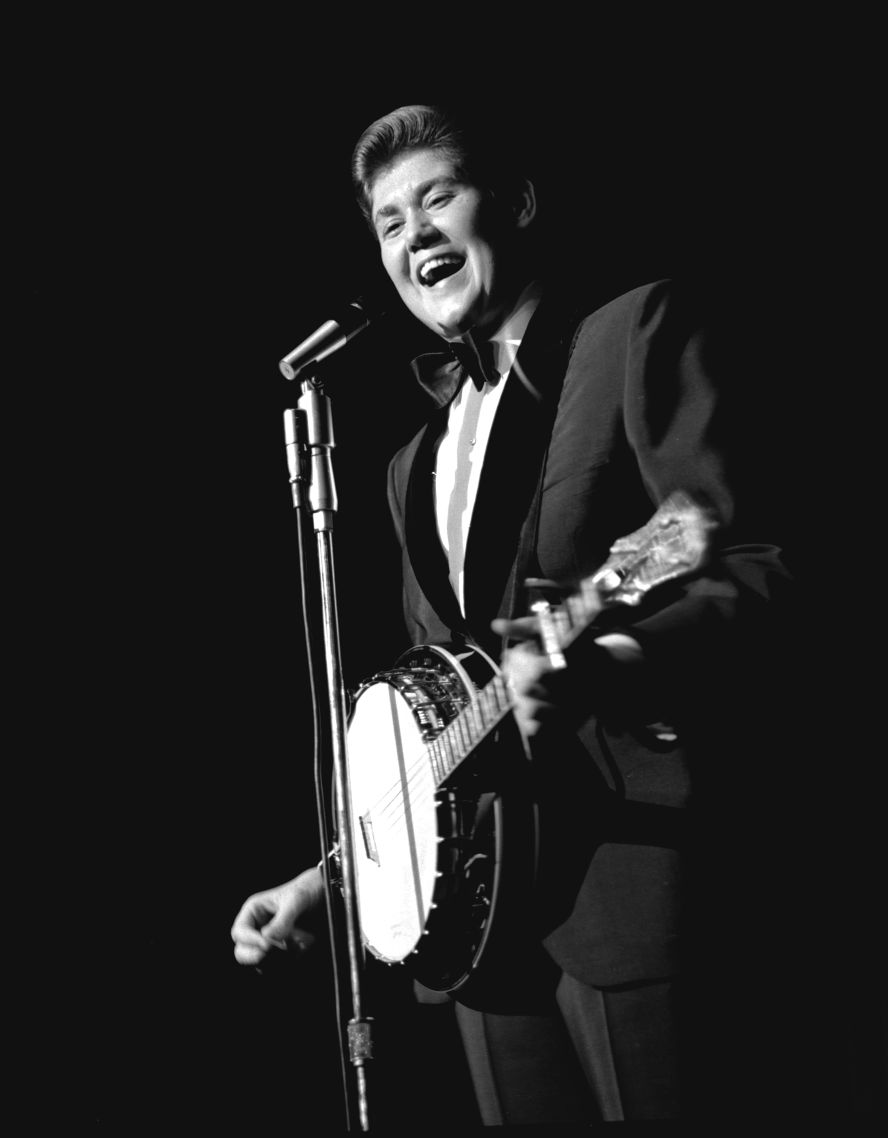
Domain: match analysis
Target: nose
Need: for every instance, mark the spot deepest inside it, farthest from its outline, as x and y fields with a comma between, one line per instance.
x=419, y=230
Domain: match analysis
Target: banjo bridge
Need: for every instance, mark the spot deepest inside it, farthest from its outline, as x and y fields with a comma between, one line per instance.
x=369, y=840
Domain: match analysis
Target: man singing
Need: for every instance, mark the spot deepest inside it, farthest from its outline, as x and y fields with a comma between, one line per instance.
x=554, y=432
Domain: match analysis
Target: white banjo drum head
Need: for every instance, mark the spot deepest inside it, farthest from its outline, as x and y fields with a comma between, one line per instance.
x=394, y=821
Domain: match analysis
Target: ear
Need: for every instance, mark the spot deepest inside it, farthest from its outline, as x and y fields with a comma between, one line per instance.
x=525, y=205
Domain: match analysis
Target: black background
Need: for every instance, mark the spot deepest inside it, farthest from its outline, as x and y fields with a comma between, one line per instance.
x=188, y=219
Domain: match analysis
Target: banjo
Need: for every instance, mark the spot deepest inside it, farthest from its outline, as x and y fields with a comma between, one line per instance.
x=437, y=807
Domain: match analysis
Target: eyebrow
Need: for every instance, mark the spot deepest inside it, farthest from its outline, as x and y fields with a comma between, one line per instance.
x=421, y=190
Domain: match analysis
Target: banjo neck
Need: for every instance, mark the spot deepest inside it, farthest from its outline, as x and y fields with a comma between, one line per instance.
x=487, y=708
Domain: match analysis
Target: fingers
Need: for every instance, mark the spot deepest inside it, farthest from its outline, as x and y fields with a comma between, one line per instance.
x=524, y=628
x=523, y=666
x=250, y=955
x=297, y=940
x=253, y=914
x=281, y=931
x=250, y=945
x=280, y=923
x=268, y=921
x=524, y=670
x=534, y=710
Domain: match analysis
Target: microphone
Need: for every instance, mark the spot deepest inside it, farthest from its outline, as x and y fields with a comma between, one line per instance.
x=329, y=337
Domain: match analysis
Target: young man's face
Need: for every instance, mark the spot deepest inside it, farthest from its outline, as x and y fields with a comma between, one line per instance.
x=441, y=244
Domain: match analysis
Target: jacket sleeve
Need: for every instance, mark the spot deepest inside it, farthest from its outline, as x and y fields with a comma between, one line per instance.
x=691, y=424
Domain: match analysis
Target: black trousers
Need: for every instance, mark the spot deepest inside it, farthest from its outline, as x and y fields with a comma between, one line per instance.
x=592, y=1055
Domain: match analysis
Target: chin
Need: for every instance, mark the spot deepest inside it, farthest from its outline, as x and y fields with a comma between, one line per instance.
x=451, y=328
x=451, y=320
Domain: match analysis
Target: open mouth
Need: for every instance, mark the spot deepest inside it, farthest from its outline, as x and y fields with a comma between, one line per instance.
x=438, y=269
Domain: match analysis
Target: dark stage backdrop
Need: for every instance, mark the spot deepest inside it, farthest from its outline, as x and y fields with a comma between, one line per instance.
x=183, y=238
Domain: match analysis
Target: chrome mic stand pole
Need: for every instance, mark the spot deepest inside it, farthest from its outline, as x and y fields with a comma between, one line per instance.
x=314, y=411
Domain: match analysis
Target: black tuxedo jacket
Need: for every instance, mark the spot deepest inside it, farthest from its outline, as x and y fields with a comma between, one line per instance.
x=604, y=415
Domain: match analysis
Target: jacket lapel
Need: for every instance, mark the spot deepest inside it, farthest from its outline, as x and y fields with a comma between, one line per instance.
x=513, y=465
x=426, y=553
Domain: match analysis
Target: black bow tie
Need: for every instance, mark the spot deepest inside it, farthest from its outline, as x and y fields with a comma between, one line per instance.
x=440, y=373
x=478, y=359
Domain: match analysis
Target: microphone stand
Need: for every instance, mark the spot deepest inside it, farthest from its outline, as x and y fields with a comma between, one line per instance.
x=309, y=439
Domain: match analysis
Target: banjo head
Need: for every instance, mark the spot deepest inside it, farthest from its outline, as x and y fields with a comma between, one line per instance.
x=394, y=825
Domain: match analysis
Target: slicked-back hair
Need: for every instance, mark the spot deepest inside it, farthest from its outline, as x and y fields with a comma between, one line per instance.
x=477, y=153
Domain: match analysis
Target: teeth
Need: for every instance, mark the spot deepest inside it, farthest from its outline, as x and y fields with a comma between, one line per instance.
x=433, y=264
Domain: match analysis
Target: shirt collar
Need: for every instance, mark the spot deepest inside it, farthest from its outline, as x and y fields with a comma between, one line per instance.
x=439, y=372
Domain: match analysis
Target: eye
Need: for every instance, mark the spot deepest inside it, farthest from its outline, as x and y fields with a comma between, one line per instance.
x=438, y=199
x=390, y=228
